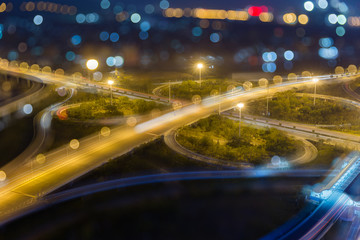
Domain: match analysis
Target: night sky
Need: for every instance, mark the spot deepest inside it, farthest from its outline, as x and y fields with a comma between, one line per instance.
x=277, y=5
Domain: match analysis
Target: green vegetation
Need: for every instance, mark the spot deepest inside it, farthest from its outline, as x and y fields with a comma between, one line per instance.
x=101, y=107
x=287, y=106
x=218, y=137
x=188, y=89
x=326, y=154
x=143, y=81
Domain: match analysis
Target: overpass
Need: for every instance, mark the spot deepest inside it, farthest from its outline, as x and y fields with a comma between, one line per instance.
x=332, y=203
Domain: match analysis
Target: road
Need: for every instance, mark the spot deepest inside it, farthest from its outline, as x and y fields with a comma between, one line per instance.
x=56, y=198
x=42, y=124
x=34, y=94
x=309, y=154
x=23, y=186
x=318, y=222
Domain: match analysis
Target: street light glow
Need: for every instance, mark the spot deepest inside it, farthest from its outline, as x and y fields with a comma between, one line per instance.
x=200, y=65
x=240, y=105
x=315, y=80
x=110, y=82
x=92, y=64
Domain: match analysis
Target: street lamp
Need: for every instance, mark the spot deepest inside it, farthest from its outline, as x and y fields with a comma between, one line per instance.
x=200, y=66
x=315, y=80
x=111, y=82
x=91, y=65
x=240, y=106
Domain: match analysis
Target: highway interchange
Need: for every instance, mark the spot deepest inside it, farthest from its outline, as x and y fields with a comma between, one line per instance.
x=25, y=183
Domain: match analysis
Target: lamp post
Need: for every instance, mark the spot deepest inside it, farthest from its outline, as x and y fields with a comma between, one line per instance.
x=200, y=66
x=91, y=65
x=315, y=80
x=111, y=82
x=240, y=106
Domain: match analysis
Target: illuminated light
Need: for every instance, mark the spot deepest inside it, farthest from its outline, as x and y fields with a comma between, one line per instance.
x=238, y=15
x=27, y=109
x=149, y=9
x=354, y=21
x=92, y=17
x=277, y=79
x=292, y=77
x=290, y=18
x=204, y=23
x=266, y=17
x=119, y=61
x=275, y=160
x=76, y=40
x=80, y=18
x=77, y=75
x=326, y=42
x=14, y=64
x=289, y=55
x=303, y=19
x=110, y=82
x=169, y=12
x=35, y=68
x=46, y=70
x=352, y=68
x=2, y=176
x=97, y=76
x=178, y=13
x=247, y=85
x=114, y=37
x=110, y=61
x=196, y=31
x=30, y=6
x=306, y=74
x=315, y=80
x=240, y=105
x=104, y=36
x=120, y=17
x=40, y=158
x=323, y=4
x=145, y=26
x=22, y=47
x=263, y=82
x=340, y=31
x=309, y=6
x=105, y=131
x=135, y=18
x=104, y=4
x=196, y=99
x=329, y=53
x=6, y=86
x=70, y=56
x=341, y=19
x=255, y=11
x=269, y=67
x=164, y=4
x=332, y=18
x=92, y=64
x=12, y=55
x=343, y=7
x=74, y=144
x=72, y=10
x=187, y=12
x=215, y=37
x=24, y=66
x=2, y=7
x=200, y=65
x=143, y=35
x=59, y=72
x=131, y=121
x=269, y=56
